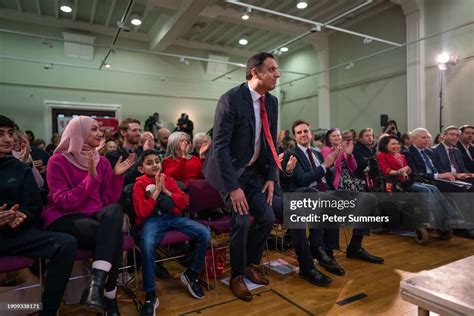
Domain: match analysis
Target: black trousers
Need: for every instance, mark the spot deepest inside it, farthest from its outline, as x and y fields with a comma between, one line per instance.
x=319, y=237
x=57, y=247
x=101, y=233
x=247, y=242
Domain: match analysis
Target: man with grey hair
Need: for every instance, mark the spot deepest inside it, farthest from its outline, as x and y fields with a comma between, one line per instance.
x=200, y=140
x=421, y=160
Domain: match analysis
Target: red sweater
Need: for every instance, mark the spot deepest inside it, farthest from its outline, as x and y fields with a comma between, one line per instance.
x=144, y=206
x=388, y=162
x=183, y=170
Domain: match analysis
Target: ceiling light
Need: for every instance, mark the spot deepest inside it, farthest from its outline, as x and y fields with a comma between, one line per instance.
x=66, y=6
x=243, y=41
x=107, y=65
x=136, y=19
x=246, y=14
x=442, y=58
x=283, y=49
x=445, y=59
x=301, y=4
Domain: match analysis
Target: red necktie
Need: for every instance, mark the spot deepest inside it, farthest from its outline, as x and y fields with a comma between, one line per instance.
x=266, y=131
x=321, y=186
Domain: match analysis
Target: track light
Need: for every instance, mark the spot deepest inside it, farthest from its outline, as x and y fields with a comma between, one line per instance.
x=445, y=59
x=301, y=4
x=107, y=65
x=246, y=14
x=66, y=6
x=243, y=41
x=135, y=19
x=283, y=49
x=367, y=40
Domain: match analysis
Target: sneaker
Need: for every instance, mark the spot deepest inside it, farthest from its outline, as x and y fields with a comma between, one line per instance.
x=150, y=306
x=193, y=285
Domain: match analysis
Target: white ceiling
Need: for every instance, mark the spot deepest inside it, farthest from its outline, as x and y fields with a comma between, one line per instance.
x=214, y=26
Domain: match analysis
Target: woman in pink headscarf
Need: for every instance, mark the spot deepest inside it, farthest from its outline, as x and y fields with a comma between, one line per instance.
x=84, y=190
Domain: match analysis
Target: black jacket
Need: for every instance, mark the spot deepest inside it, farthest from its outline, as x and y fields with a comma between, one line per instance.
x=18, y=186
x=303, y=174
x=468, y=162
x=361, y=152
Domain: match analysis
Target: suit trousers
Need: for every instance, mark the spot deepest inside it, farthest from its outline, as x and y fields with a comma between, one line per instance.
x=247, y=237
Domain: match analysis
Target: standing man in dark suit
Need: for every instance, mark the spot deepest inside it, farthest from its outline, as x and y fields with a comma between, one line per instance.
x=243, y=166
x=465, y=146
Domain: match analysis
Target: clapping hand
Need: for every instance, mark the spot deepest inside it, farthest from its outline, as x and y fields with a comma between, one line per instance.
x=19, y=217
x=348, y=146
x=149, y=141
x=6, y=216
x=122, y=166
x=204, y=148
x=24, y=152
x=91, y=165
x=290, y=166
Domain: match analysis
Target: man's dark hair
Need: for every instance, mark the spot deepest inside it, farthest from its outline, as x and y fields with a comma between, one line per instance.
x=296, y=123
x=383, y=143
x=404, y=138
x=145, y=154
x=464, y=127
x=256, y=61
x=6, y=122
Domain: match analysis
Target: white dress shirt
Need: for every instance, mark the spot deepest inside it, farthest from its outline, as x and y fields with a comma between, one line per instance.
x=258, y=124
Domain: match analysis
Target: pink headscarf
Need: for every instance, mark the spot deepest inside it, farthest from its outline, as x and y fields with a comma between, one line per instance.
x=73, y=145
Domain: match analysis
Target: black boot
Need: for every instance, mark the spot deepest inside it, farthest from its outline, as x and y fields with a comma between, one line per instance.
x=111, y=307
x=93, y=295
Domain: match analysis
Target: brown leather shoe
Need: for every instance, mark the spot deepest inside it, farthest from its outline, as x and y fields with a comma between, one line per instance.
x=238, y=287
x=256, y=276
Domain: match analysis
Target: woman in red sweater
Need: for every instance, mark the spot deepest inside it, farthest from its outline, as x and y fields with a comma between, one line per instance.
x=391, y=161
x=179, y=164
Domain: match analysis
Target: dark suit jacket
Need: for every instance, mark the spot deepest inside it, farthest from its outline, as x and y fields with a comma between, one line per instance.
x=417, y=164
x=361, y=152
x=303, y=174
x=234, y=137
x=468, y=162
x=442, y=162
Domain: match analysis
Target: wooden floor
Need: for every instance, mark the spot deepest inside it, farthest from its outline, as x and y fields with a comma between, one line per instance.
x=290, y=295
